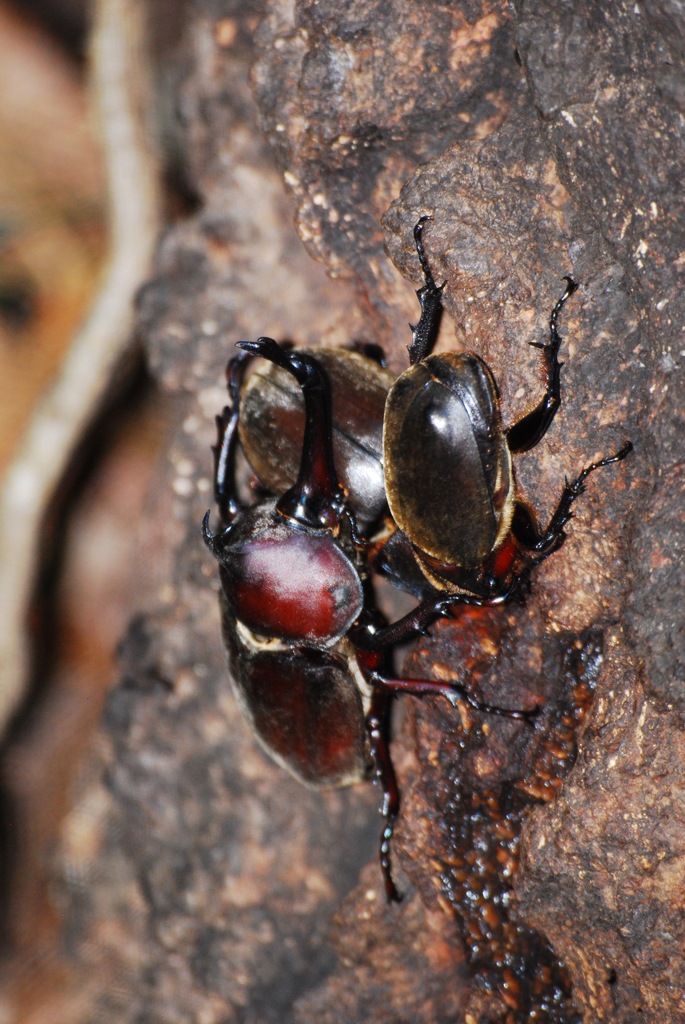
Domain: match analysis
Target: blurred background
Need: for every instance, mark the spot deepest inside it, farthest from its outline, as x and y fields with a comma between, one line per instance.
x=87, y=172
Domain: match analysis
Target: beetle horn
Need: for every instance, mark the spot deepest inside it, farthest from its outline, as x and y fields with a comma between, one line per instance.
x=316, y=499
x=267, y=348
x=212, y=540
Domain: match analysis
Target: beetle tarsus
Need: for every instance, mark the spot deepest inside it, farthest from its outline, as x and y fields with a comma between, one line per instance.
x=392, y=893
x=421, y=253
x=451, y=690
x=572, y=286
x=554, y=536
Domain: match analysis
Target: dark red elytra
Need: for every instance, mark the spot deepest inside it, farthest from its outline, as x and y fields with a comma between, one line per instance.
x=304, y=706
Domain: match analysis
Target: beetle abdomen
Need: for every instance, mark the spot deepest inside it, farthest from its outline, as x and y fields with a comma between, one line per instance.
x=447, y=466
x=303, y=705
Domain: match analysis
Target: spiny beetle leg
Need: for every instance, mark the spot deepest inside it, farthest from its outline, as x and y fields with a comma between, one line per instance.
x=554, y=536
x=378, y=728
x=529, y=430
x=452, y=691
x=430, y=299
x=225, y=488
x=369, y=637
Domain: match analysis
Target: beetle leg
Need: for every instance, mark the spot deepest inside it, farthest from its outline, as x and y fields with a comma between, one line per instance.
x=396, y=561
x=368, y=637
x=544, y=544
x=225, y=490
x=316, y=499
x=430, y=300
x=529, y=430
x=524, y=526
x=378, y=727
x=452, y=691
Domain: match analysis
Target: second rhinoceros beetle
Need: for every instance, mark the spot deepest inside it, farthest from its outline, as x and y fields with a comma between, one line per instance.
x=309, y=653
x=448, y=468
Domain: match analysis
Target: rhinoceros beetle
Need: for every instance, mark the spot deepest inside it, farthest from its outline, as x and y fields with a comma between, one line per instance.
x=309, y=653
x=294, y=581
x=448, y=469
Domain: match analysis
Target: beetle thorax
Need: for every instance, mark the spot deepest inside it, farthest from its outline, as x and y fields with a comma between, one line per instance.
x=289, y=582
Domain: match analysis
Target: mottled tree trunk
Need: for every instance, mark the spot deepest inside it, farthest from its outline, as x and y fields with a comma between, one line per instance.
x=543, y=867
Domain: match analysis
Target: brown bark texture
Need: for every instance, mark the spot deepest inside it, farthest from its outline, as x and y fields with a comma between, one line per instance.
x=543, y=867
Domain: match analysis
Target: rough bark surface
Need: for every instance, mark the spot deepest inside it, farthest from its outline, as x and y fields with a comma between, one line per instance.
x=544, y=867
